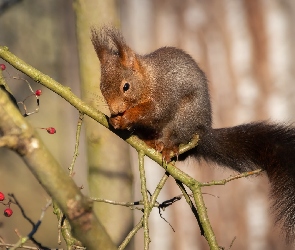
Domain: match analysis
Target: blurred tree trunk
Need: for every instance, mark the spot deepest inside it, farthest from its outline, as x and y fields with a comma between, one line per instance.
x=110, y=175
x=40, y=32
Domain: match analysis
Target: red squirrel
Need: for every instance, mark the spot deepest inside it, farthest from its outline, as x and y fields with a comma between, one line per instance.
x=163, y=98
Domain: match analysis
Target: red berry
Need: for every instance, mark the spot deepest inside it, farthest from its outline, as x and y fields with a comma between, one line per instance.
x=2, y=196
x=2, y=66
x=51, y=130
x=8, y=212
x=38, y=92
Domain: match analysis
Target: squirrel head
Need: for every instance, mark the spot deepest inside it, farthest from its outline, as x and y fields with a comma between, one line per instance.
x=121, y=72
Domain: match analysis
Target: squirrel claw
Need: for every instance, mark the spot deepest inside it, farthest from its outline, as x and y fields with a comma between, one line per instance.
x=166, y=158
x=168, y=153
x=159, y=146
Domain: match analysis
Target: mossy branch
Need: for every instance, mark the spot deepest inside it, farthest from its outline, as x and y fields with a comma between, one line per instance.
x=140, y=146
x=23, y=139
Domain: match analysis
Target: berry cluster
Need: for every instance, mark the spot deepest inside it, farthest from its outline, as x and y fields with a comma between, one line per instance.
x=8, y=211
x=37, y=93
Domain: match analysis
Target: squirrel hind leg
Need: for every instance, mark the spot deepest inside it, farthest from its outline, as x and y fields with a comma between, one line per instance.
x=168, y=151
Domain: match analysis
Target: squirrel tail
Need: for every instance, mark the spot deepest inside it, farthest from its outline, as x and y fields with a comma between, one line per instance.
x=248, y=147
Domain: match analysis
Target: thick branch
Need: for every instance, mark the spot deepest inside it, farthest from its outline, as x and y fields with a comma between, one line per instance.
x=55, y=181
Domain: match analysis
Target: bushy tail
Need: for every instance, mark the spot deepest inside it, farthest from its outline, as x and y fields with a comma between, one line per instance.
x=259, y=145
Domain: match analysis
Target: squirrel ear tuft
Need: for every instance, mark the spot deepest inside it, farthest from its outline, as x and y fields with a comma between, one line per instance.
x=109, y=41
x=100, y=43
x=136, y=65
x=126, y=55
x=129, y=59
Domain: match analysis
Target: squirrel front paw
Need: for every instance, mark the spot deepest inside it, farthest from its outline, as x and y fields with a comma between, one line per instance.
x=120, y=122
x=115, y=121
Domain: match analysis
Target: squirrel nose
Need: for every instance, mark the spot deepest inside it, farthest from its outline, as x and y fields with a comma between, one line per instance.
x=117, y=109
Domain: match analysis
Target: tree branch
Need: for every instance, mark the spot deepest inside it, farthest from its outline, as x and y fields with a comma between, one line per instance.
x=146, y=203
x=231, y=178
x=77, y=208
x=153, y=201
x=66, y=93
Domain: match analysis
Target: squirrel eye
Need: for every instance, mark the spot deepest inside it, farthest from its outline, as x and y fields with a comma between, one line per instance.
x=126, y=87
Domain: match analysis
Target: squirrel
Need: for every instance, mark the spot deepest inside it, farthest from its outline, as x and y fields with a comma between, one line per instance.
x=163, y=98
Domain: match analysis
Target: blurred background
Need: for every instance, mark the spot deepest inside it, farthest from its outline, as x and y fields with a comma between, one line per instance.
x=246, y=48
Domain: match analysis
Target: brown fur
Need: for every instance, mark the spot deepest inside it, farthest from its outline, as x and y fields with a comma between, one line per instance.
x=166, y=102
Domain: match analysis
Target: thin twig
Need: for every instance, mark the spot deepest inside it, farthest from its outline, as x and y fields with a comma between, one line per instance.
x=145, y=200
x=16, y=202
x=158, y=189
x=191, y=205
x=33, y=94
x=152, y=204
x=64, y=229
x=6, y=245
x=232, y=242
x=193, y=143
x=131, y=234
x=231, y=178
x=118, y=203
x=4, y=86
x=203, y=216
x=76, y=153
x=36, y=226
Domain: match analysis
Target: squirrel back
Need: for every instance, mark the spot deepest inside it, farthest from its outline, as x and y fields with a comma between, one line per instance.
x=163, y=98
